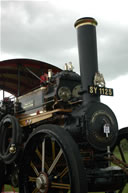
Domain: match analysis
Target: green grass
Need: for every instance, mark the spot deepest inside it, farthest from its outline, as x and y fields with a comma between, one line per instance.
x=9, y=188
x=126, y=189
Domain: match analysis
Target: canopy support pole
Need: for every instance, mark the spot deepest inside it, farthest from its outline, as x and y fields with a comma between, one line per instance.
x=19, y=78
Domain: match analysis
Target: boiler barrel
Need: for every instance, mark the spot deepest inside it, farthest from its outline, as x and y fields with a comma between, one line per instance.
x=87, y=48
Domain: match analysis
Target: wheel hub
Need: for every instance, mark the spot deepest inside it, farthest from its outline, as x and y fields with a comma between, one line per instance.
x=42, y=183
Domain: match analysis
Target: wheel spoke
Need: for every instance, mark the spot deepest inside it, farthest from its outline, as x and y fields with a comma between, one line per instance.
x=63, y=173
x=32, y=179
x=53, y=150
x=34, y=168
x=40, y=157
x=39, y=154
x=43, y=155
x=55, y=161
x=60, y=186
x=121, y=153
x=35, y=190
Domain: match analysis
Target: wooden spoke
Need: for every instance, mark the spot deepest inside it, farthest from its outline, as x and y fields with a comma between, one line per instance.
x=32, y=179
x=121, y=153
x=34, y=168
x=40, y=157
x=55, y=162
x=43, y=154
x=38, y=153
x=53, y=150
x=60, y=186
x=64, y=172
x=35, y=190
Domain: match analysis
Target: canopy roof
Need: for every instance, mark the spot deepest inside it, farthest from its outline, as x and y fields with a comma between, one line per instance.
x=19, y=73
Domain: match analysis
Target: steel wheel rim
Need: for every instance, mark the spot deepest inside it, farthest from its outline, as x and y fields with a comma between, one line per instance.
x=52, y=164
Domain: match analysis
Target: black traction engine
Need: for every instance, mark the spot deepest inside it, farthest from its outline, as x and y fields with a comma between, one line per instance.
x=59, y=137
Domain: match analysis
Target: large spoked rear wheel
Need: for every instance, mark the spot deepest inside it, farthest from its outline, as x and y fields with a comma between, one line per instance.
x=122, y=144
x=121, y=151
x=52, y=163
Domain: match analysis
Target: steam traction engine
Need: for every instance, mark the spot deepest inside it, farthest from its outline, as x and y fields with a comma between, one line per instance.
x=59, y=137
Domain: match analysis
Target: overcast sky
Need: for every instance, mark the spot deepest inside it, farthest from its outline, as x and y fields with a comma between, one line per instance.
x=44, y=30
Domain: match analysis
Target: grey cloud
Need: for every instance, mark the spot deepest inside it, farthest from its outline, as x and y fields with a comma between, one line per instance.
x=42, y=31
x=113, y=49
x=38, y=30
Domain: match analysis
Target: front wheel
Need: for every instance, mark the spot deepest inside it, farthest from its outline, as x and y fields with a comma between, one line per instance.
x=52, y=163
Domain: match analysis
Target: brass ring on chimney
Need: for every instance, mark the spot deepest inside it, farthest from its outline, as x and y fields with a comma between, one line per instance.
x=85, y=21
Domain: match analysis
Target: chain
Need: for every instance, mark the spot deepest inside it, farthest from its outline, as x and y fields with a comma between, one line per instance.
x=118, y=162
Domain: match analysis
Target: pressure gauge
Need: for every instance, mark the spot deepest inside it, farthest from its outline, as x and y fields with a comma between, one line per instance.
x=64, y=93
x=76, y=90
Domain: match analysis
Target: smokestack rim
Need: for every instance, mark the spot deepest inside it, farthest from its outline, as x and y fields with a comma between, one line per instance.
x=85, y=21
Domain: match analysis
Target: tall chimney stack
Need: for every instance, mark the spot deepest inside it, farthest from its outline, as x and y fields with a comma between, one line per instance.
x=87, y=48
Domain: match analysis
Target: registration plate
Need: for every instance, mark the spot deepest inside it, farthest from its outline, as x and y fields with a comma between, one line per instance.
x=95, y=90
